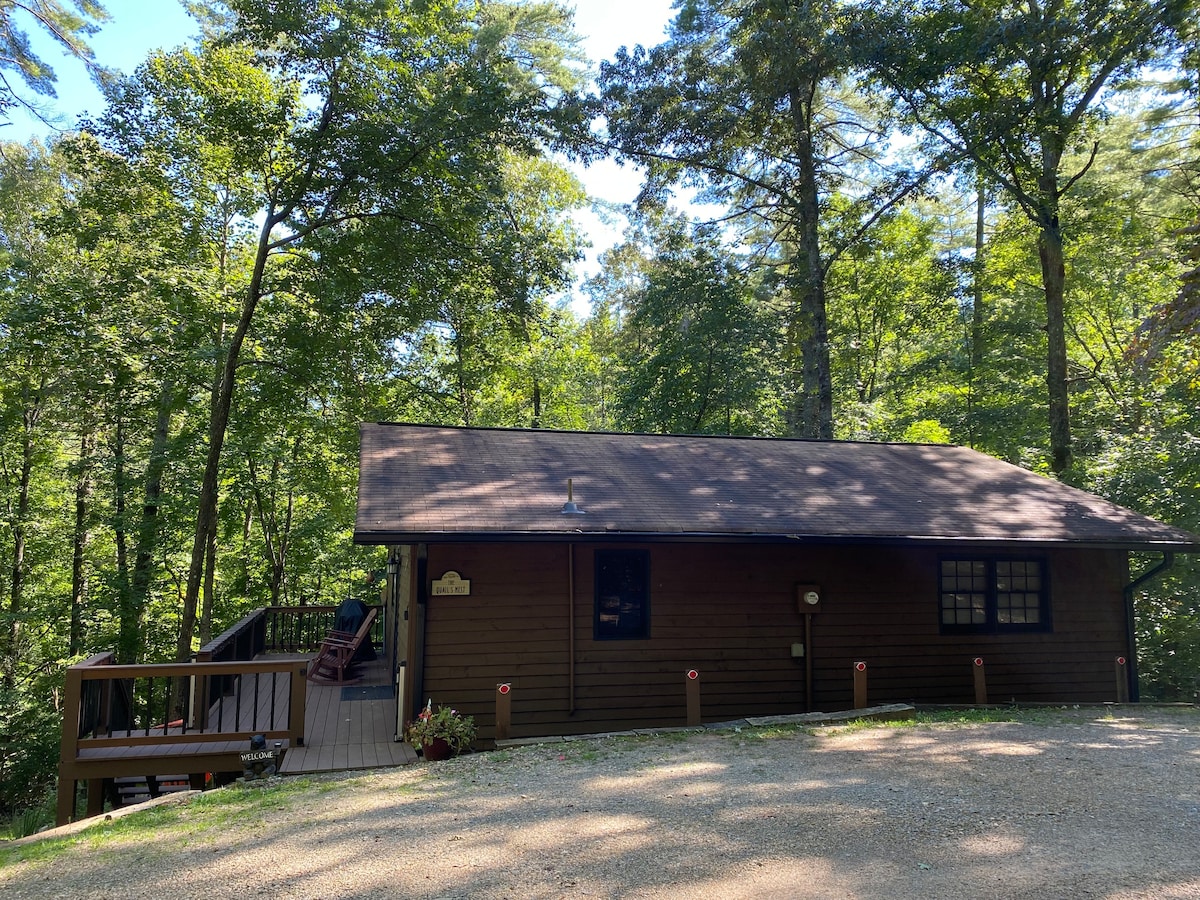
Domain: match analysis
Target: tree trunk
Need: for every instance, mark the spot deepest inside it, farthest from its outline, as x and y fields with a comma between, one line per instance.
x=1050, y=250
x=81, y=539
x=30, y=416
x=218, y=424
x=147, y=534
x=812, y=414
x=128, y=613
x=210, y=590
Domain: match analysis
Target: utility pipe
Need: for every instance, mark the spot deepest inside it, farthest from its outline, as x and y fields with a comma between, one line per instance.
x=571, y=628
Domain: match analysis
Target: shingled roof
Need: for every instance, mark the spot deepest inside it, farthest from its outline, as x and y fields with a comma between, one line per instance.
x=422, y=483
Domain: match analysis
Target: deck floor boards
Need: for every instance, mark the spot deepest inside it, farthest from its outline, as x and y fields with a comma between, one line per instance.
x=348, y=734
x=339, y=734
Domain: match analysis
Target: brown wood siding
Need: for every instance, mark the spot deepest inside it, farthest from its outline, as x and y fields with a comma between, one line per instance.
x=730, y=612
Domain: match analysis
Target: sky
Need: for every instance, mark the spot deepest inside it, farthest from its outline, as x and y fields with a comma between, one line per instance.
x=136, y=27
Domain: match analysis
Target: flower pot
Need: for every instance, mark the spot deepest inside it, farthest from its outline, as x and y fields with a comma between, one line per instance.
x=439, y=749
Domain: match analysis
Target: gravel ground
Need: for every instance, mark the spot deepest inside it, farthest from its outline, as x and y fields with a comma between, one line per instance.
x=1082, y=804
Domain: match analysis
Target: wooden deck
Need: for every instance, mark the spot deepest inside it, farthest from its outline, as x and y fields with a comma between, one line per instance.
x=350, y=726
x=347, y=726
x=149, y=720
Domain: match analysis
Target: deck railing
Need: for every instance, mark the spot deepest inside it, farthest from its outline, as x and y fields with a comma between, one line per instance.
x=279, y=629
x=132, y=705
x=224, y=695
x=269, y=629
x=155, y=709
x=300, y=629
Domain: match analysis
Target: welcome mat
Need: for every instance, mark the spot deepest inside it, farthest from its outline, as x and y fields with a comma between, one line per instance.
x=367, y=692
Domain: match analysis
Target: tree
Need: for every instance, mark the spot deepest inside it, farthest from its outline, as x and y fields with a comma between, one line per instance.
x=752, y=102
x=352, y=124
x=696, y=344
x=69, y=27
x=898, y=362
x=1016, y=88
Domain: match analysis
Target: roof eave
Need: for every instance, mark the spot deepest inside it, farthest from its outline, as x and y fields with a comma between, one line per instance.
x=388, y=537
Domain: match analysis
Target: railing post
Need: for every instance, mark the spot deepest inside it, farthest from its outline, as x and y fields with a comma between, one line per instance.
x=860, y=685
x=693, y=698
x=260, y=633
x=72, y=694
x=200, y=693
x=296, y=702
x=980, y=682
x=68, y=749
x=503, y=710
x=95, y=796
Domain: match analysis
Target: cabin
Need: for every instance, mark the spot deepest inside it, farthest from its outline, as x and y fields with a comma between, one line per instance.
x=586, y=576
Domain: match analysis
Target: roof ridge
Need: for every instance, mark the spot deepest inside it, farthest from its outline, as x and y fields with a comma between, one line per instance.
x=517, y=429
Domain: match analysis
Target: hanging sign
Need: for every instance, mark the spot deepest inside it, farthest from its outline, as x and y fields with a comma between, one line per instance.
x=452, y=584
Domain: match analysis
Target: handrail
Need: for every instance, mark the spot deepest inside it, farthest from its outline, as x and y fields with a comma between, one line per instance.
x=129, y=706
x=286, y=629
x=131, y=711
x=188, y=669
x=300, y=629
x=242, y=640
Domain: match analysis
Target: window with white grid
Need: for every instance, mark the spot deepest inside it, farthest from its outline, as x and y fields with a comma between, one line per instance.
x=993, y=595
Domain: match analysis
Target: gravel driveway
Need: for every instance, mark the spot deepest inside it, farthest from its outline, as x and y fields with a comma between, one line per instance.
x=1082, y=804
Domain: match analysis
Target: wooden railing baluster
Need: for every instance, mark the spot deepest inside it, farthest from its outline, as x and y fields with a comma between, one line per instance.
x=254, y=708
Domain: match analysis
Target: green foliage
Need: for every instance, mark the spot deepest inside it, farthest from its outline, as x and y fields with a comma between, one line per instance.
x=325, y=213
x=266, y=215
x=698, y=343
x=69, y=25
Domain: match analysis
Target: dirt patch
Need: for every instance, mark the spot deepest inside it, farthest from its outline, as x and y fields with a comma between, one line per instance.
x=1075, y=803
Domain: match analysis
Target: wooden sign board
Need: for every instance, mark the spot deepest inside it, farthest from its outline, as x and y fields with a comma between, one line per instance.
x=453, y=585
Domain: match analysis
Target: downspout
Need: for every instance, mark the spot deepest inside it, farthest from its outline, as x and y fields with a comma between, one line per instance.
x=571, y=629
x=1168, y=560
x=416, y=630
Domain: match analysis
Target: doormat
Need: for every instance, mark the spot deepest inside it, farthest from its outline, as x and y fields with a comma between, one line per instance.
x=367, y=692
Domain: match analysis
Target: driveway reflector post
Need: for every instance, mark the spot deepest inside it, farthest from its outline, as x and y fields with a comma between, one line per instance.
x=1122, y=680
x=693, y=697
x=860, y=685
x=980, y=682
x=503, y=710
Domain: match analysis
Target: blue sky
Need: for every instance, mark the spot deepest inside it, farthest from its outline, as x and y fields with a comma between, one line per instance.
x=136, y=27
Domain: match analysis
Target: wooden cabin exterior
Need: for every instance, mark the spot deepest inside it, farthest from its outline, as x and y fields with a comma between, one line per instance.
x=700, y=553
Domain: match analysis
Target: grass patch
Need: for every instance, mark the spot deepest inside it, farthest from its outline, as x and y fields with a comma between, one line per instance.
x=29, y=821
x=235, y=805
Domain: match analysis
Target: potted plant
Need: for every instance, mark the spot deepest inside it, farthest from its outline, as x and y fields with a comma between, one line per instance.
x=440, y=733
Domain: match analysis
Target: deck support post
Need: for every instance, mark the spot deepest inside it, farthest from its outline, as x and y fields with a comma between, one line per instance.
x=95, y=796
x=72, y=700
x=981, y=697
x=65, y=808
x=860, y=685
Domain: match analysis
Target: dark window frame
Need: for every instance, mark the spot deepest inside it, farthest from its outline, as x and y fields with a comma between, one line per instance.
x=995, y=593
x=613, y=571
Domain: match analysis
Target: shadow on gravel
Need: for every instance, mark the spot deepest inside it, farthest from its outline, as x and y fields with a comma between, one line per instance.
x=1097, y=808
